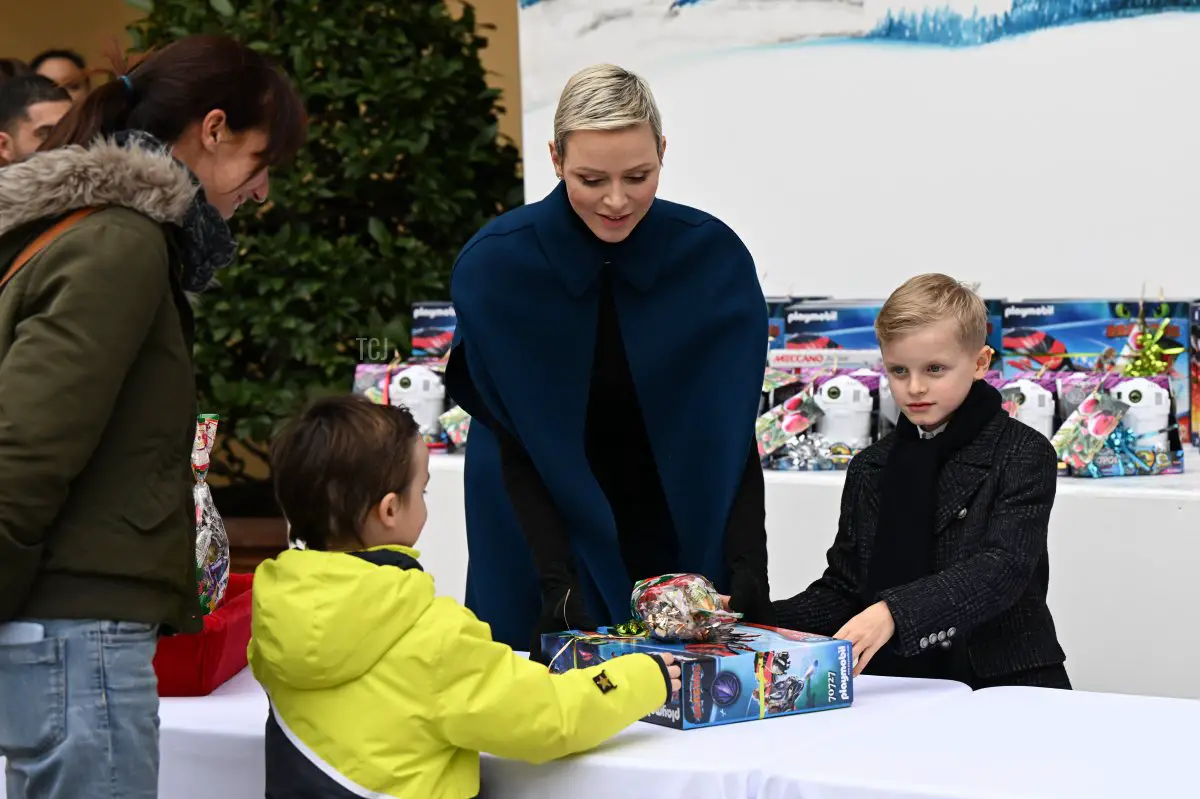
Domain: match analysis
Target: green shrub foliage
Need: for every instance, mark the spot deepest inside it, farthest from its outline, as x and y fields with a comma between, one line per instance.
x=402, y=166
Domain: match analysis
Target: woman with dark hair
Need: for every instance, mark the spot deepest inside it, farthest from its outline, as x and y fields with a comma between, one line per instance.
x=103, y=233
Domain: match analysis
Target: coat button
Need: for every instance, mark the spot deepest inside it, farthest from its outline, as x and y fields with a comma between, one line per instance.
x=962, y=513
x=951, y=632
x=942, y=635
x=945, y=644
x=924, y=642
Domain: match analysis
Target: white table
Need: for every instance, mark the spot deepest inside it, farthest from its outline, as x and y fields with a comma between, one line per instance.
x=225, y=728
x=1010, y=743
x=1123, y=552
x=212, y=747
x=725, y=762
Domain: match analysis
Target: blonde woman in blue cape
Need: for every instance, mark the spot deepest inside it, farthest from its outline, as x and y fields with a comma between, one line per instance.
x=610, y=350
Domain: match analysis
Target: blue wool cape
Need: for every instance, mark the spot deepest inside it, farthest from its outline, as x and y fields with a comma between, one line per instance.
x=693, y=320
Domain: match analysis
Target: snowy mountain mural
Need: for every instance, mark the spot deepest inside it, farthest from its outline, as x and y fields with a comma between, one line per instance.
x=852, y=143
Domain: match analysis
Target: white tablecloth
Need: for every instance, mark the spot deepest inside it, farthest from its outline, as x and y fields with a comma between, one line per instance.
x=1123, y=552
x=901, y=739
x=1009, y=743
x=723, y=762
x=212, y=748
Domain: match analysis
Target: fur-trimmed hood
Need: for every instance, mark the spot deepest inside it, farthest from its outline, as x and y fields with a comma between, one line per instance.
x=58, y=181
x=132, y=170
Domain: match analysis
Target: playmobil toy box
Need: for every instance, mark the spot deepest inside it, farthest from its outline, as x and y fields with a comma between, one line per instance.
x=832, y=325
x=752, y=672
x=823, y=335
x=777, y=317
x=995, y=311
x=1194, y=369
x=1097, y=336
x=432, y=329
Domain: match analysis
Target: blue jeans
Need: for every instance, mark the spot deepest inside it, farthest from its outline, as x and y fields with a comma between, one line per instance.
x=79, y=709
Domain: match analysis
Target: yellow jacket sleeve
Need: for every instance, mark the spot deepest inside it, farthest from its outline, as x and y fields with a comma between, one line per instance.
x=493, y=700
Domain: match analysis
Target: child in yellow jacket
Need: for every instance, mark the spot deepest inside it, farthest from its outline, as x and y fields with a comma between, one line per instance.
x=377, y=687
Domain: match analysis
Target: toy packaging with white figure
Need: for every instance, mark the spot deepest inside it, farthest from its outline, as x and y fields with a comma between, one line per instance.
x=433, y=325
x=747, y=673
x=849, y=403
x=1100, y=336
x=1118, y=426
x=1030, y=398
x=834, y=417
x=419, y=387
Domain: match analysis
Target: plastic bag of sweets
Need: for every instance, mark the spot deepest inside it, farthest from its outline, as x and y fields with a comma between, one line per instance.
x=681, y=607
x=212, y=542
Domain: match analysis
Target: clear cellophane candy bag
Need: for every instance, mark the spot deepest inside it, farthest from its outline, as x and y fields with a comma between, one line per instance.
x=681, y=607
x=212, y=542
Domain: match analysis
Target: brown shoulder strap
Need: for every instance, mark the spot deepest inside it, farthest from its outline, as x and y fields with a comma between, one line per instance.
x=48, y=235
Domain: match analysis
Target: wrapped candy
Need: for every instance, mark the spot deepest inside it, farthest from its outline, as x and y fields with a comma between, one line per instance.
x=212, y=542
x=1129, y=459
x=681, y=607
x=783, y=423
x=810, y=452
x=456, y=423
x=1085, y=431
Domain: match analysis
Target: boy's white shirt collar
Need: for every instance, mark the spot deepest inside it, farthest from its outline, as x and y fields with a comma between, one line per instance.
x=931, y=433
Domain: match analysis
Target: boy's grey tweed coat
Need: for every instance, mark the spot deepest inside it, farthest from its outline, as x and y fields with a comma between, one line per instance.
x=988, y=593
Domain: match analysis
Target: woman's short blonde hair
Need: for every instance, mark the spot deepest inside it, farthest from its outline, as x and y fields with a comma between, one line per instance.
x=605, y=97
x=927, y=299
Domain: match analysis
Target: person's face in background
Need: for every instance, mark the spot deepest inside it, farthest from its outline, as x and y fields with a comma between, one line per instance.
x=611, y=177
x=28, y=133
x=66, y=74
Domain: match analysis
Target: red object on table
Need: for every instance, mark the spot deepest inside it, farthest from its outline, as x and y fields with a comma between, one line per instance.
x=199, y=663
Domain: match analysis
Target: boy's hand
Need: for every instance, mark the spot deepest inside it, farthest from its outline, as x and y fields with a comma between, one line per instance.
x=868, y=631
x=672, y=671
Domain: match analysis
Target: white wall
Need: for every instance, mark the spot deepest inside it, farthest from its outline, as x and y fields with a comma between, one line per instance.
x=1059, y=163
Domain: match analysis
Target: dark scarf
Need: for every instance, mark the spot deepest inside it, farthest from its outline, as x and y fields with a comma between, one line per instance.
x=903, y=550
x=207, y=243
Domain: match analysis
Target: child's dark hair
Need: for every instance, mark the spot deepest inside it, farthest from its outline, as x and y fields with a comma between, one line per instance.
x=179, y=85
x=336, y=461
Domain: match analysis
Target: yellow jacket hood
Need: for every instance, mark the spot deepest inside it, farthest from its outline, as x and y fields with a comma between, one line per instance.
x=322, y=619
